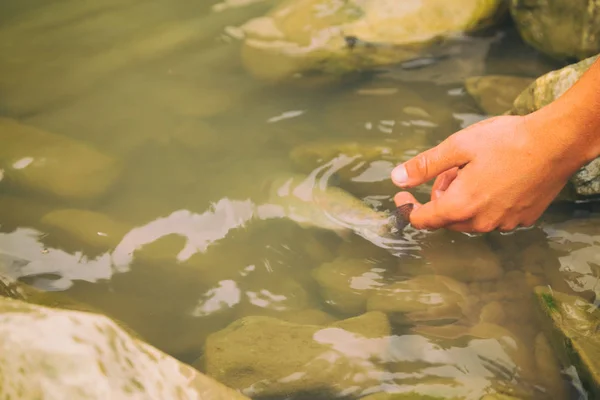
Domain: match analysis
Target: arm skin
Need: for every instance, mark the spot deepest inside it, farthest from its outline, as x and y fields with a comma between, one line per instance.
x=503, y=172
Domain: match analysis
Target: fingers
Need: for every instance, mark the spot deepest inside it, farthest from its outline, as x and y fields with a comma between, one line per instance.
x=432, y=215
x=430, y=163
x=402, y=198
x=442, y=183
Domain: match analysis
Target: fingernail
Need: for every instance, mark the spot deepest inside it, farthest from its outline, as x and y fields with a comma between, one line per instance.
x=399, y=175
x=438, y=194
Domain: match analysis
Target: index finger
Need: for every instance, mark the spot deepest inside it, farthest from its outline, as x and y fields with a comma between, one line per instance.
x=432, y=218
x=432, y=215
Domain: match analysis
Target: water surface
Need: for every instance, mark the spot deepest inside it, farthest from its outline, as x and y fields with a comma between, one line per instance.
x=159, y=86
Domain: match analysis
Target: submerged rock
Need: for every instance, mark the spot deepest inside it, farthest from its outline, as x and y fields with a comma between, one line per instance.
x=264, y=356
x=574, y=327
x=543, y=91
x=97, y=233
x=418, y=396
x=84, y=228
x=90, y=357
x=273, y=295
x=16, y=290
x=312, y=204
x=503, y=349
x=426, y=299
x=361, y=167
x=54, y=165
x=309, y=156
x=444, y=253
x=347, y=283
x=549, y=368
x=495, y=94
x=562, y=29
x=402, y=396
x=575, y=247
x=337, y=38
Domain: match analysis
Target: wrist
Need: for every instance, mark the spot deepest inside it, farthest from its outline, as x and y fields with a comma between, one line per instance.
x=561, y=142
x=570, y=127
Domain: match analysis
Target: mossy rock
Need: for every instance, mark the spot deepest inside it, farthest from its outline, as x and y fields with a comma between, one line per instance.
x=334, y=39
x=267, y=357
x=573, y=325
x=549, y=87
x=561, y=29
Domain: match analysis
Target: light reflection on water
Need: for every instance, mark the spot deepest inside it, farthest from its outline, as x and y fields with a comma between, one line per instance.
x=192, y=238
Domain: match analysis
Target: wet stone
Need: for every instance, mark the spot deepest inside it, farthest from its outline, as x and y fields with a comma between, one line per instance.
x=264, y=356
x=426, y=299
x=504, y=347
x=495, y=94
x=295, y=39
x=53, y=165
x=272, y=295
x=90, y=357
x=82, y=227
x=562, y=29
x=572, y=325
x=347, y=283
x=549, y=368
x=444, y=253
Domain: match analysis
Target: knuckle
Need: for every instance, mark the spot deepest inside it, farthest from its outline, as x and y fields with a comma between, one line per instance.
x=468, y=210
x=485, y=225
x=420, y=225
x=422, y=165
x=459, y=142
x=462, y=208
x=508, y=226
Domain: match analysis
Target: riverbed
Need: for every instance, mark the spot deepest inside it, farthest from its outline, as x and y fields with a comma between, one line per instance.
x=160, y=89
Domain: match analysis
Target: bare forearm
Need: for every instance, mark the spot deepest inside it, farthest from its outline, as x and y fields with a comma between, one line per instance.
x=575, y=116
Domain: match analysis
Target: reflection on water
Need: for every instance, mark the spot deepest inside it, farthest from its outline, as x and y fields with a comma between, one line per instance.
x=184, y=236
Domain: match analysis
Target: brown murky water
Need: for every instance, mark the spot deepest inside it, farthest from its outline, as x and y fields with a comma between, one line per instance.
x=158, y=87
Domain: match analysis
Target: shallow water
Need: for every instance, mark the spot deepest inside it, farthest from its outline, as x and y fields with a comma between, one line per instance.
x=159, y=87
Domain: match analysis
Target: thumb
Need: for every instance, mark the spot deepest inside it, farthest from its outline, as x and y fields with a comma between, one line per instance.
x=430, y=164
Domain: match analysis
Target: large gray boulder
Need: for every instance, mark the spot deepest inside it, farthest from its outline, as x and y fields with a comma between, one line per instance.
x=47, y=353
x=562, y=29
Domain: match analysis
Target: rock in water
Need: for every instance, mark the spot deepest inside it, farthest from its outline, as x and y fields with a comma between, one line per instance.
x=495, y=94
x=575, y=327
x=57, y=354
x=321, y=37
x=54, y=165
x=265, y=356
x=332, y=208
x=426, y=299
x=549, y=87
x=543, y=91
x=562, y=29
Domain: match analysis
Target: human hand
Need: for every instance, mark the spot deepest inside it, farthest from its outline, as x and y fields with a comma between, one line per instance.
x=500, y=173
